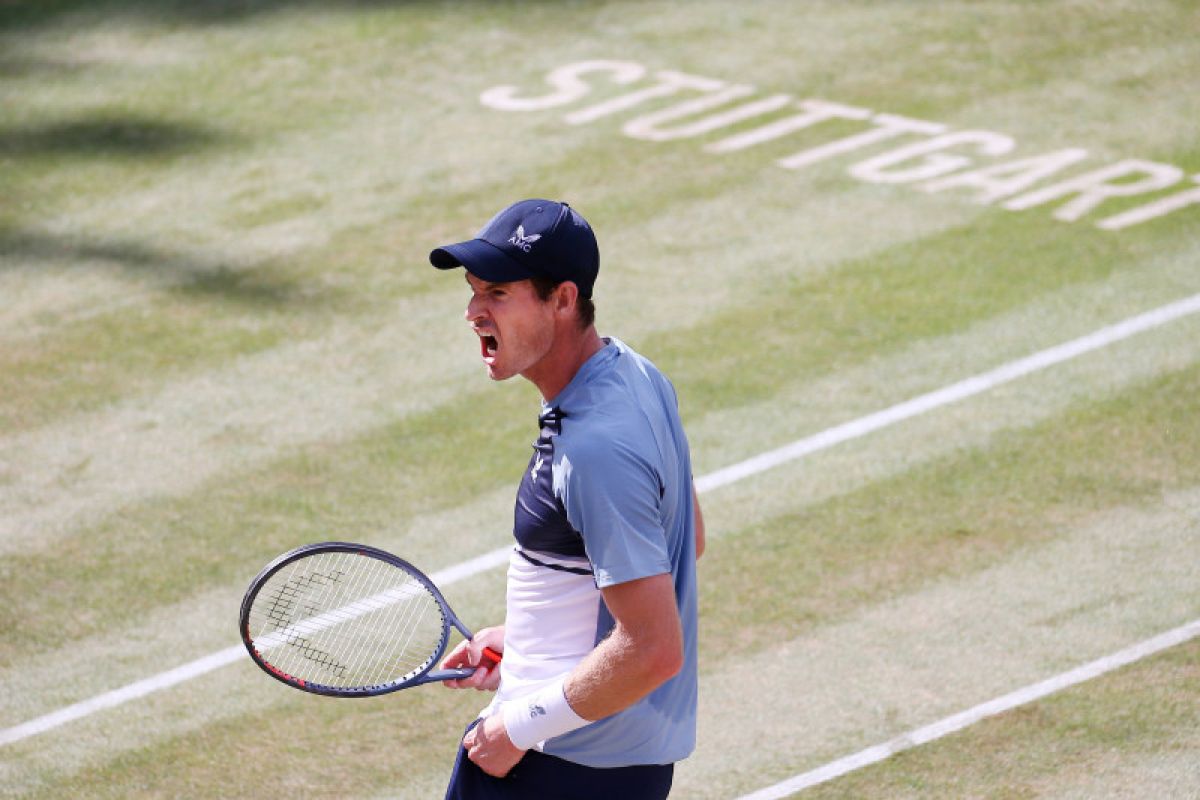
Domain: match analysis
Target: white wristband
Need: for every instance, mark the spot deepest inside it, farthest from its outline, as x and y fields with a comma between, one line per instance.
x=540, y=716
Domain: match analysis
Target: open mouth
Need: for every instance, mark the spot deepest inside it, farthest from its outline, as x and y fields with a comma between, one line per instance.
x=488, y=347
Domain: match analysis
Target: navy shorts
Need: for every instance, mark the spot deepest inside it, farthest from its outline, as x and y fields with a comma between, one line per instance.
x=542, y=777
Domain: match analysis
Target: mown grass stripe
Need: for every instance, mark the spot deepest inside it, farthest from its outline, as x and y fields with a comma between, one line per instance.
x=132, y=691
x=963, y=719
x=826, y=439
x=950, y=394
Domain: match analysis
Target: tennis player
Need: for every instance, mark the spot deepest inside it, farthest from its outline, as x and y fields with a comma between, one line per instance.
x=596, y=692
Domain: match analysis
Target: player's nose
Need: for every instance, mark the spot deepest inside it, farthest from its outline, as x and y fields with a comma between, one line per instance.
x=474, y=310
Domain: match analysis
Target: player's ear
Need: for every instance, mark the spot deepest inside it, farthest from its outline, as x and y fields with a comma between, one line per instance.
x=566, y=296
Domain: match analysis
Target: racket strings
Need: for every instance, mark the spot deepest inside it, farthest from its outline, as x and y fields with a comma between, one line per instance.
x=402, y=616
x=354, y=584
x=294, y=600
x=386, y=657
x=346, y=620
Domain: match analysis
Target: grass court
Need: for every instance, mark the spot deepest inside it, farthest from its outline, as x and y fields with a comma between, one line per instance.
x=221, y=338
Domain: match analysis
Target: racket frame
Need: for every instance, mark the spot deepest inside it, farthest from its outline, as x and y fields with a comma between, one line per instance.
x=427, y=675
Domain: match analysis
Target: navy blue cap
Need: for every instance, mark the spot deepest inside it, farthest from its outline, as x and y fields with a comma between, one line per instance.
x=527, y=239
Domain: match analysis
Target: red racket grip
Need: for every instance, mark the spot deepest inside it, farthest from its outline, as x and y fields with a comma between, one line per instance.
x=490, y=655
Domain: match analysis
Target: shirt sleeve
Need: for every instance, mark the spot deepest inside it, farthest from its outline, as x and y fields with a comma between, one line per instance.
x=613, y=497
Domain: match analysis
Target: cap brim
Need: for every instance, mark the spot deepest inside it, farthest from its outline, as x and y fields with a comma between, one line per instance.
x=481, y=259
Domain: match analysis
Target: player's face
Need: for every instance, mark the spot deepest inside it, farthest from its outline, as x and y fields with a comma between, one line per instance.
x=515, y=327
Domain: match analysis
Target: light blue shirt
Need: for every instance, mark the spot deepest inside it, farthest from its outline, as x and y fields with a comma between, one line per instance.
x=621, y=472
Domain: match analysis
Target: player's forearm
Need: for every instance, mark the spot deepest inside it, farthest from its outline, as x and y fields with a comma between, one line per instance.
x=622, y=670
x=643, y=651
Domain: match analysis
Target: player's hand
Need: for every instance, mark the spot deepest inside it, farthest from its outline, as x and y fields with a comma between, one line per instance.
x=470, y=654
x=490, y=748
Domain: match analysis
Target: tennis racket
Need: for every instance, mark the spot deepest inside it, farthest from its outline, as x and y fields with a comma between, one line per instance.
x=348, y=620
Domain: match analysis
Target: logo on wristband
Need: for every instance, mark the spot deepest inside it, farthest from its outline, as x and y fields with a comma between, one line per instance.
x=536, y=711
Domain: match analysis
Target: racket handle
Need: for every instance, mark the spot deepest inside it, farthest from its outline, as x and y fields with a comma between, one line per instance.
x=488, y=658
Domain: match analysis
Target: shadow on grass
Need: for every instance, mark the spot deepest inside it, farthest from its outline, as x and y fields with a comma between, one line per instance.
x=21, y=66
x=24, y=14
x=108, y=135
x=185, y=274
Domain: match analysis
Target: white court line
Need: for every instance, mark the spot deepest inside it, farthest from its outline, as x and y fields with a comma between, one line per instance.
x=991, y=708
x=722, y=477
x=952, y=393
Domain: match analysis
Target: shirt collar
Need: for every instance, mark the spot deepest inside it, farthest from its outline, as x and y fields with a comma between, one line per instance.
x=595, y=364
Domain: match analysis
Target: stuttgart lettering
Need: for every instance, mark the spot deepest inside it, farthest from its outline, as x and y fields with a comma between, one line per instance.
x=929, y=156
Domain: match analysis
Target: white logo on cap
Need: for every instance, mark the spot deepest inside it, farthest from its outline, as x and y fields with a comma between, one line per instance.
x=522, y=241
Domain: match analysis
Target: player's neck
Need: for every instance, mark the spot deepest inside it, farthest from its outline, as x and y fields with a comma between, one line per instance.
x=570, y=352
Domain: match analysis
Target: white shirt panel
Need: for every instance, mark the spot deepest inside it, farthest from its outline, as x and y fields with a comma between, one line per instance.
x=549, y=627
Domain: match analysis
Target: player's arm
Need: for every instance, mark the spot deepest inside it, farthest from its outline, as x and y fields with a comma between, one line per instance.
x=643, y=651
x=699, y=522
